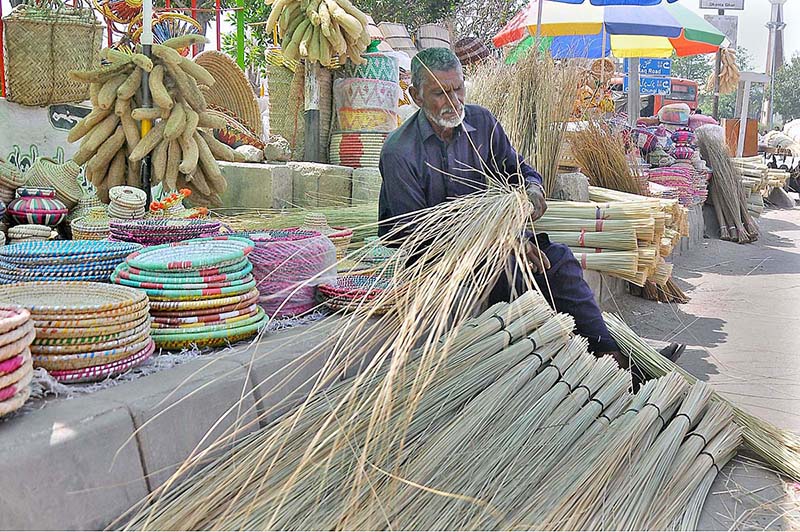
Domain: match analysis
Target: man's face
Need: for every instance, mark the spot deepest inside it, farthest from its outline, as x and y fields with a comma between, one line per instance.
x=442, y=97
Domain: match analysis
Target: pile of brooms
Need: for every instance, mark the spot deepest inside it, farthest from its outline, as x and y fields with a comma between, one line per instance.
x=494, y=422
x=727, y=192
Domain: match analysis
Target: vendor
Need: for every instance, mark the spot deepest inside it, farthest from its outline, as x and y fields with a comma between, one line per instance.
x=433, y=157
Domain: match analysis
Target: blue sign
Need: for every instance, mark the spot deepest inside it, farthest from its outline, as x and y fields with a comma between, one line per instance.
x=652, y=67
x=650, y=86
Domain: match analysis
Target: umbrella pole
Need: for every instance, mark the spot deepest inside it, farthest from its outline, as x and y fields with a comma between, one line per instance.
x=147, y=42
x=540, y=7
x=633, y=91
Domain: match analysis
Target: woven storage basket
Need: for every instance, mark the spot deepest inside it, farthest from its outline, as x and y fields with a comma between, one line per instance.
x=93, y=226
x=397, y=37
x=286, y=106
x=340, y=236
x=63, y=178
x=42, y=45
x=433, y=36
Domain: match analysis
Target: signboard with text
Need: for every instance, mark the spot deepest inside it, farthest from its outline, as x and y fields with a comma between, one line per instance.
x=722, y=4
x=650, y=86
x=652, y=67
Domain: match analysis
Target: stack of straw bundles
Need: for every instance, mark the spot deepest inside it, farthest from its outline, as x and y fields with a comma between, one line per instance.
x=521, y=422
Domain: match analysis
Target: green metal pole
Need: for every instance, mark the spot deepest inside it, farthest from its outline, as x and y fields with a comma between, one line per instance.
x=240, y=33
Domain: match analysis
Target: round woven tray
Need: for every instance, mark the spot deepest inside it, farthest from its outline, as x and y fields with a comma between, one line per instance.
x=211, y=339
x=162, y=231
x=75, y=344
x=161, y=306
x=76, y=277
x=86, y=335
x=123, y=272
x=14, y=388
x=103, y=371
x=210, y=293
x=14, y=335
x=15, y=348
x=212, y=311
x=49, y=350
x=200, y=328
x=100, y=319
x=12, y=317
x=193, y=254
x=16, y=402
x=351, y=291
x=74, y=250
x=93, y=358
x=64, y=298
x=29, y=230
x=178, y=321
x=25, y=368
x=205, y=274
x=56, y=269
x=10, y=365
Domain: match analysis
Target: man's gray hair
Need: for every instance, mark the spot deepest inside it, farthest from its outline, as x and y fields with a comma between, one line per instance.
x=436, y=59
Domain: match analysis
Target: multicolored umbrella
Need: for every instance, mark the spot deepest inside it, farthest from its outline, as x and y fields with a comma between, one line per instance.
x=579, y=30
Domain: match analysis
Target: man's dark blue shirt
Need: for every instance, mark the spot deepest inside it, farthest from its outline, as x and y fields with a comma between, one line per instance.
x=420, y=170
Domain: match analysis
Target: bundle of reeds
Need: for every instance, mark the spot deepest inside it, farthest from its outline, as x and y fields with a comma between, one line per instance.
x=533, y=100
x=726, y=192
x=611, y=240
x=600, y=151
x=779, y=448
x=644, y=227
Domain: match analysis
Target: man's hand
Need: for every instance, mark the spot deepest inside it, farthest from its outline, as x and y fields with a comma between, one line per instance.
x=538, y=260
x=536, y=197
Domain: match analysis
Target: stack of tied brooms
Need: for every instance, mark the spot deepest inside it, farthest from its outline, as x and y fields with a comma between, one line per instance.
x=494, y=422
x=182, y=144
x=624, y=235
x=758, y=181
x=726, y=192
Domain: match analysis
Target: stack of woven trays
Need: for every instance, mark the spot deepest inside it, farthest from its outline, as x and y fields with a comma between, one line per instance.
x=28, y=233
x=16, y=367
x=340, y=236
x=348, y=292
x=288, y=265
x=62, y=260
x=202, y=291
x=92, y=226
x=85, y=332
x=127, y=203
x=157, y=231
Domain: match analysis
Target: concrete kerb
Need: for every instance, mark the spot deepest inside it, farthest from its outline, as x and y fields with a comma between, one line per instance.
x=184, y=410
x=68, y=467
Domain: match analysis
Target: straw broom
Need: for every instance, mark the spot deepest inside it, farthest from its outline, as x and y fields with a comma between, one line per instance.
x=600, y=151
x=778, y=447
x=616, y=240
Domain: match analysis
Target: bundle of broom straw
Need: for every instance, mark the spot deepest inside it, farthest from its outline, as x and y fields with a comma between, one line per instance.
x=779, y=448
x=533, y=100
x=726, y=192
x=600, y=151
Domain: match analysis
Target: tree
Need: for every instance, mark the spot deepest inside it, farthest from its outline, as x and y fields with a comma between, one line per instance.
x=411, y=14
x=787, y=90
x=484, y=18
x=694, y=67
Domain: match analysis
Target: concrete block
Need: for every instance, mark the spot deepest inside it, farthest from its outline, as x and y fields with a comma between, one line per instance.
x=68, y=467
x=321, y=185
x=256, y=186
x=572, y=186
x=366, y=184
x=182, y=409
x=613, y=288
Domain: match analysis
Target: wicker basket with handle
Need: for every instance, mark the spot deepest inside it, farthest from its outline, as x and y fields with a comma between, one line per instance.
x=43, y=42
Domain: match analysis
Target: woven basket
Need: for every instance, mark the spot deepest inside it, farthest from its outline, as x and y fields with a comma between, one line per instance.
x=42, y=45
x=340, y=236
x=286, y=106
x=61, y=177
x=232, y=90
x=93, y=226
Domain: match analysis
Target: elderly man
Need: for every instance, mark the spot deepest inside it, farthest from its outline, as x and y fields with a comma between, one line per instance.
x=433, y=157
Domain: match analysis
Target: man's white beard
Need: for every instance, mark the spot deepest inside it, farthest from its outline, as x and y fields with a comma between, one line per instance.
x=445, y=122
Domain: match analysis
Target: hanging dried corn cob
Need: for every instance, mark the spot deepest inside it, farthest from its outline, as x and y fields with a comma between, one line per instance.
x=319, y=30
x=181, y=156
